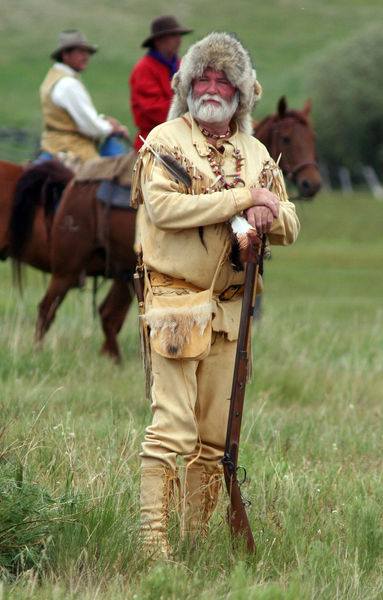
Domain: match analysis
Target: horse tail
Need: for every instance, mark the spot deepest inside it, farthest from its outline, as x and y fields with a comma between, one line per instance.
x=52, y=190
x=41, y=184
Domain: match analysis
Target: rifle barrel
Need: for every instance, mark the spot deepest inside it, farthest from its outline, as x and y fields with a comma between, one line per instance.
x=238, y=520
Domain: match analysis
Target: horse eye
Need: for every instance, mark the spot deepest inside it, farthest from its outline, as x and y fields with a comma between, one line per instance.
x=285, y=139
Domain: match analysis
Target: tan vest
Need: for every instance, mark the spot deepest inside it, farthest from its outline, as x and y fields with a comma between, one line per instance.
x=60, y=132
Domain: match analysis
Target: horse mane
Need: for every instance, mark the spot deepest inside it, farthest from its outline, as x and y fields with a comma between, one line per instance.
x=268, y=122
x=297, y=115
x=263, y=126
x=41, y=184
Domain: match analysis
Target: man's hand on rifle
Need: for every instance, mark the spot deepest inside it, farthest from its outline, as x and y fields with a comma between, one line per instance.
x=265, y=209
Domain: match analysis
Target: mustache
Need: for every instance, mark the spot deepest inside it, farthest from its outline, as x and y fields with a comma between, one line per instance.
x=222, y=109
x=199, y=101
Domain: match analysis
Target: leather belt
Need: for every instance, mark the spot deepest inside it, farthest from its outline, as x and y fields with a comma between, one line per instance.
x=167, y=280
x=227, y=294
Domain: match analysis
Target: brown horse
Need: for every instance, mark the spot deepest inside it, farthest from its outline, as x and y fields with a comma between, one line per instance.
x=102, y=239
x=289, y=133
x=90, y=238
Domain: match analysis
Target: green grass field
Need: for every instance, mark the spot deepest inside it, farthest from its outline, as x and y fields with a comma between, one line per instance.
x=71, y=422
x=284, y=38
x=312, y=438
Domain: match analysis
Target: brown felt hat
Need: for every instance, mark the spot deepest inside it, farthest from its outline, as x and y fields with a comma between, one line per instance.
x=72, y=38
x=165, y=25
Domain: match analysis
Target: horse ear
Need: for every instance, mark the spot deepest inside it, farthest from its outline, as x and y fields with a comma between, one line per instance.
x=307, y=107
x=282, y=106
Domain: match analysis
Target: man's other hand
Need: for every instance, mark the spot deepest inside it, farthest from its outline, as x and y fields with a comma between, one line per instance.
x=264, y=210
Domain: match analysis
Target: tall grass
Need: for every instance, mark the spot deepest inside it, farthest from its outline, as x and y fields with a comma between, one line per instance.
x=312, y=439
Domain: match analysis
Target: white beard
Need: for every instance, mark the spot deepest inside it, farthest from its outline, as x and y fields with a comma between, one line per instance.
x=212, y=113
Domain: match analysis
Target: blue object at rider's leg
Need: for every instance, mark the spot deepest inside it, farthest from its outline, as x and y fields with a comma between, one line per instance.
x=43, y=156
x=112, y=147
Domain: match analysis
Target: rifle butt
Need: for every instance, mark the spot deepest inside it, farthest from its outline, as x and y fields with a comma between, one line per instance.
x=236, y=515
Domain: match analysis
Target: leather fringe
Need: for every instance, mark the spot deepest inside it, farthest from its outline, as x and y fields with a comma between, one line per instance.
x=201, y=184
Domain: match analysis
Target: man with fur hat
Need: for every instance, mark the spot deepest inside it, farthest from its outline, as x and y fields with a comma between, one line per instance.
x=149, y=81
x=186, y=234
x=71, y=122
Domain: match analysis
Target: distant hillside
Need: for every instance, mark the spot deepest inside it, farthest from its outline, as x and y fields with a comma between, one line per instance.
x=283, y=36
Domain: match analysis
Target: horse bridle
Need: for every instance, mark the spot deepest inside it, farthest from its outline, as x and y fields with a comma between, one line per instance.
x=290, y=173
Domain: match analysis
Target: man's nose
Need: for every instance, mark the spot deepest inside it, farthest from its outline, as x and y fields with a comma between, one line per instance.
x=212, y=87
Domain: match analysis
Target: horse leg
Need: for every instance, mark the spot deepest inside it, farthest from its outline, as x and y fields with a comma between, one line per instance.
x=71, y=247
x=112, y=313
x=47, y=308
x=67, y=272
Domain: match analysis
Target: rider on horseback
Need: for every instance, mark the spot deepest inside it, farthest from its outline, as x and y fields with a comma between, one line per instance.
x=71, y=122
x=151, y=92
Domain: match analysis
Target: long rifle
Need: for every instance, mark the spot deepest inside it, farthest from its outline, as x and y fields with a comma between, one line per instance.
x=239, y=523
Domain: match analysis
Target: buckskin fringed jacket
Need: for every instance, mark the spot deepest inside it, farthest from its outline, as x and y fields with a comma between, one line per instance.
x=183, y=231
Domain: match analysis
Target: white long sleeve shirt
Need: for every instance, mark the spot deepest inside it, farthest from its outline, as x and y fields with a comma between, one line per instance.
x=70, y=94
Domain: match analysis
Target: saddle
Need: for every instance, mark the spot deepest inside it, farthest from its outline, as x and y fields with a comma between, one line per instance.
x=114, y=175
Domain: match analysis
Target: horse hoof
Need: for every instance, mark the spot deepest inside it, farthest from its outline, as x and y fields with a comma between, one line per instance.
x=113, y=355
x=38, y=345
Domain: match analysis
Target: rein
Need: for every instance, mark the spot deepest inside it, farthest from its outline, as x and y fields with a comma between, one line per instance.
x=291, y=172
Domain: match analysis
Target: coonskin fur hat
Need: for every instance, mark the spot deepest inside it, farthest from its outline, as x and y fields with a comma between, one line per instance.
x=223, y=52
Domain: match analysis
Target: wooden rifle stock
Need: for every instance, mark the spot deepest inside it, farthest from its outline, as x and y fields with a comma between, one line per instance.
x=238, y=520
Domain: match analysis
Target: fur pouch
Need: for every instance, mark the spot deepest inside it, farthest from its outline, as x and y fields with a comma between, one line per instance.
x=180, y=325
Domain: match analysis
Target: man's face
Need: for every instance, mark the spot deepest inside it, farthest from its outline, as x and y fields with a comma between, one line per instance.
x=76, y=58
x=168, y=45
x=213, y=98
x=213, y=82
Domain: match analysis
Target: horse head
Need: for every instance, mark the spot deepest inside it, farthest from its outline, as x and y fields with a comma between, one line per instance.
x=289, y=133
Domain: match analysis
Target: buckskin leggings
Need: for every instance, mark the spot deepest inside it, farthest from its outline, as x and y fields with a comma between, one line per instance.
x=190, y=405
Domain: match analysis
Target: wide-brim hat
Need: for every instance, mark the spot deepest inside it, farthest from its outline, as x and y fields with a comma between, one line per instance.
x=72, y=38
x=165, y=25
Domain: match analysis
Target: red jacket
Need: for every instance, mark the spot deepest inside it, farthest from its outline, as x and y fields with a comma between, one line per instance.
x=150, y=96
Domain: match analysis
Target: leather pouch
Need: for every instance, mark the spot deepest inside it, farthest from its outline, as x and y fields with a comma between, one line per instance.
x=181, y=324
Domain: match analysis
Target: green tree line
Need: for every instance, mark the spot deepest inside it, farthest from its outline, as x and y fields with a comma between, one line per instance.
x=346, y=88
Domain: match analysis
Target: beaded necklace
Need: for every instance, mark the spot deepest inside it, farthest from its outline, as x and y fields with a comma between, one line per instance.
x=219, y=177
x=214, y=136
